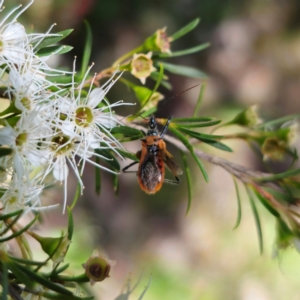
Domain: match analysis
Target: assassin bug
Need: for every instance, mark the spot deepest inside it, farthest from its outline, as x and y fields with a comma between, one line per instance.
x=152, y=160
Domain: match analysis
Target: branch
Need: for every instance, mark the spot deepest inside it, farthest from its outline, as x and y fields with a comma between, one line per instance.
x=242, y=173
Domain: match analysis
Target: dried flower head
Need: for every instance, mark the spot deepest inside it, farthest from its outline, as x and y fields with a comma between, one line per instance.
x=142, y=66
x=97, y=267
x=159, y=41
x=273, y=148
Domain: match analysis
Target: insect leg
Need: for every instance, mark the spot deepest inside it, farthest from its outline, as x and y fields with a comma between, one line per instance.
x=138, y=155
x=172, y=181
x=166, y=126
x=130, y=165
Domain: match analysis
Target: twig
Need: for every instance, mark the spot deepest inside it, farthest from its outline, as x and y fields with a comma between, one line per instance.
x=242, y=173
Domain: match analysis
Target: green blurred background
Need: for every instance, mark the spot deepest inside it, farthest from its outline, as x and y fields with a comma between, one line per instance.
x=254, y=58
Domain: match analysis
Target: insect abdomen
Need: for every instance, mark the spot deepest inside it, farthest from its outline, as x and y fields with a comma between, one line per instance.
x=150, y=175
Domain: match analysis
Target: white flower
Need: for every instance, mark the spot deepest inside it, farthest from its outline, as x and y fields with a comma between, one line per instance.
x=63, y=151
x=28, y=87
x=48, y=131
x=28, y=141
x=17, y=47
x=81, y=126
x=14, y=44
x=91, y=119
x=20, y=195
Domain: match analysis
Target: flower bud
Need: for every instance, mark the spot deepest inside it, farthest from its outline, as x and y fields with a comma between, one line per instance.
x=288, y=133
x=97, y=267
x=142, y=66
x=142, y=94
x=248, y=117
x=159, y=41
x=154, y=99
x=56, y=248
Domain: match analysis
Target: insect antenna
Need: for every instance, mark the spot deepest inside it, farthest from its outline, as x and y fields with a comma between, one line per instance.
x=164, y=130
x=163, y=102
x=161, y=105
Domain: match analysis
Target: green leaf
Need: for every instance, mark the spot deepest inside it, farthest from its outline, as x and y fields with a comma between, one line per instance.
x=218, y=145
x=12, y=120
x=111, y=161
x=257, y=220
x=70, y=224
x=182, y=138
x=184, y=30
x=187, y=144
x=116, y=183
x=87, y=49
x=199, y=125
x=189, y=182
x=127, y=154
x=283, y=197
x=183, y=52
x=55, y=272
x=10, y=215
x=283, y=175
x=141, y=93
x=65, y=79
x=5, y=282
x=76, y=196
x=11, y=224
x=79, y=278
x=48, y=41
x=206, y=138
x=164, y=83
x=184, y=71
x=200, y=165
x=27, y=262
x=5, y=151
x=98, y=177
x=266, y=204
x=279, y=121
x=127, y=131
x=65, y=297
x=24, y=247
x=192, y=119
x=16, y=234
x=19, y=274
x=200, y=136
x=51, y=50
x=45, y=282
x=199, y=101
x=148, y=112
x=239, y=211
x=284, y=234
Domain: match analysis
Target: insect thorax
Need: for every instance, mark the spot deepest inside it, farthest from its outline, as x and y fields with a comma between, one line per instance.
x=152, y=132
x=153, y=149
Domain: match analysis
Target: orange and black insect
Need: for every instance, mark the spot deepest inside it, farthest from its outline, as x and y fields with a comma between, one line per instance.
x=152, y=160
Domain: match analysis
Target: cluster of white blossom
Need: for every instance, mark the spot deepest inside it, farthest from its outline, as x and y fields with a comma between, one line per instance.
x=48, y=125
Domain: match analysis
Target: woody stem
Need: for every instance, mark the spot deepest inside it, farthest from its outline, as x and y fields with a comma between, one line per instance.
x=242, y=173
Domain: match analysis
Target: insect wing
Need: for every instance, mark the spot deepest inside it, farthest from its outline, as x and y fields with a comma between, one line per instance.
x=149, y=175
x=139, y=154
x=171, y=163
